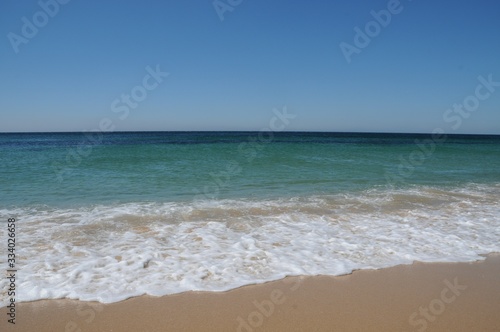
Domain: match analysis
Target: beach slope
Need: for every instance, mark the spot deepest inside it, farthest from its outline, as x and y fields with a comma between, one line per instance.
x=417, y=297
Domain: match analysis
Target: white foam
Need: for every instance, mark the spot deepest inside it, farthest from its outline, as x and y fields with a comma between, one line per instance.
x=110, y=253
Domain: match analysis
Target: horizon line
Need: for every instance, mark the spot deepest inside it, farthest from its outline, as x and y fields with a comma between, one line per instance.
x=247, y=131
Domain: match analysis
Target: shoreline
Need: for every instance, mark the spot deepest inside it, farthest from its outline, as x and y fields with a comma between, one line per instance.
x=463, y=296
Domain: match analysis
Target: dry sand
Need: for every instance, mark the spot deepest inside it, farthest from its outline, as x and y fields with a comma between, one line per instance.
x=417, y=297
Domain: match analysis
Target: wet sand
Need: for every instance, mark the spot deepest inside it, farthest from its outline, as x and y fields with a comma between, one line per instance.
x=417, y=297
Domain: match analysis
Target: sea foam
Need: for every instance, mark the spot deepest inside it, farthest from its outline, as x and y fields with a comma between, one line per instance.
x=108, y=253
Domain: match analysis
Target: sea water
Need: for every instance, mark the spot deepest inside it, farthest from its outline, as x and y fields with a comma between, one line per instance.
x=110, y=216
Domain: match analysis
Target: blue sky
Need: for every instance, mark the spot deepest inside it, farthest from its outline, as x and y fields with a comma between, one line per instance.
x=229, y=74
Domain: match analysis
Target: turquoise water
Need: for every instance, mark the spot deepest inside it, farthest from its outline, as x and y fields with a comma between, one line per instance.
x=164, y=166
x=105, y=218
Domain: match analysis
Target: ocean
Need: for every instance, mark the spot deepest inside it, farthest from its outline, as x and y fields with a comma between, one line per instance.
x=108, y=216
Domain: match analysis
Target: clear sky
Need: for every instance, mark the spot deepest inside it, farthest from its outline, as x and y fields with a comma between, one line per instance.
x=229, y=74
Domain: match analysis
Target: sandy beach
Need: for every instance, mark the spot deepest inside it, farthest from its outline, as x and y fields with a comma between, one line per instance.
x=417, y=297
